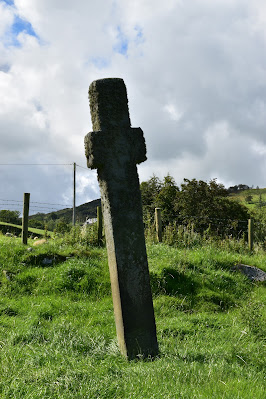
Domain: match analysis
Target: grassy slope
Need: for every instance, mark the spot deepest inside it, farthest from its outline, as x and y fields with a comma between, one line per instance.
x=255, y=193
x=58, y=335
x=30, y=229
x=84, y=211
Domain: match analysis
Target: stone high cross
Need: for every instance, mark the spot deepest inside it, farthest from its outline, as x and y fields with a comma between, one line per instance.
x=114, y=149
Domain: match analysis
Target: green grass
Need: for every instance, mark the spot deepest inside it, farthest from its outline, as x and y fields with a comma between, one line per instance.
x=57, y=331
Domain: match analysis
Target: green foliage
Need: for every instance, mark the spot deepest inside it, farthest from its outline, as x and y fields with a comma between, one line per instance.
x=167, y=198
x=61, y=226
x=207, y=201
x=36, y=223
x=248, y=199
x=85, y=235
x=149, y=192
x=259, y=217
x=198, y=198
x=198, y=203
x=9, y=216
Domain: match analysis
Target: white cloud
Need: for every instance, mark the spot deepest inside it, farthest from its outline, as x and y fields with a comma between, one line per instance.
x=173, y=112
x=195, y=73
x=6, y=18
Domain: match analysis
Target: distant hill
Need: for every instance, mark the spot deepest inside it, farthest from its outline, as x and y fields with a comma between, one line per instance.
x=84, y=211
x=252, y=198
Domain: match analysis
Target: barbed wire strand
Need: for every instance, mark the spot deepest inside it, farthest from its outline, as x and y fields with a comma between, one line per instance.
x=35, y=202
x=82, y=167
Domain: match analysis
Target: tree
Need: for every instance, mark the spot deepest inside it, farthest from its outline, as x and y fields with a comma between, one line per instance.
x=9, y=216
x=208, y=204
x=197, y=198
x=167, y=198
x=198, y=201
x=149, y=192
x=53, y=216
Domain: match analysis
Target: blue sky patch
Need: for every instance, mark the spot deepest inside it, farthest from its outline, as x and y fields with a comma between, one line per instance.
x=21, y=25
x=100, y=62
x=4, y=68
x=139, y=35
x=121, y=46
x=9, y=2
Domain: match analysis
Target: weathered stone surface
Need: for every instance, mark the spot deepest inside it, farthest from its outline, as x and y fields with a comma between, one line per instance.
x=114, y=148
x=108, y=104
x=253, y=273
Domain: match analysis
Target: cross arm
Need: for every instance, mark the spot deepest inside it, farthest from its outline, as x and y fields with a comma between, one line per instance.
x=102, y=146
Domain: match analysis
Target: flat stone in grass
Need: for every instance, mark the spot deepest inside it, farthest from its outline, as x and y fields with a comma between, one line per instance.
x=253, y=273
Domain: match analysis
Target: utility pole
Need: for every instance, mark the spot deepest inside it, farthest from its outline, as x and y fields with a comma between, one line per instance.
x=74, y=194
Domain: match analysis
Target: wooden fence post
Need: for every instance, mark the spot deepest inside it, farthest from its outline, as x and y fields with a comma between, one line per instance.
x=158, y=223
x=25, y=218
x=99, y=224
x=74, y=195
x=250, y=233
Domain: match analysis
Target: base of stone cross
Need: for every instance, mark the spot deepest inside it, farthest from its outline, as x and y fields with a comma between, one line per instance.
x=140, y=348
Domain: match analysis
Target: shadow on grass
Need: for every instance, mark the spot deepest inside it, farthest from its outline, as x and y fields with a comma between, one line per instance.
x=192, y=290
x=43, y=260
x=172, y=282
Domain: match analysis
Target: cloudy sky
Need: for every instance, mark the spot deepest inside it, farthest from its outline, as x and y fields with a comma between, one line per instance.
x=195, y=72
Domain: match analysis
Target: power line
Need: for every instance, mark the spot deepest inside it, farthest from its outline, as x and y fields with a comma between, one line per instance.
x=48, y=203
x=8, y=200
x=82, y=167
x=35, y=202
x=37, y=208
x=43, y=207
x=36, y=164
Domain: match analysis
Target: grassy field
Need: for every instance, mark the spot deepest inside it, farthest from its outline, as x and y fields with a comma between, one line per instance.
x=57, y=331
x=30, y=229
x=258, y=196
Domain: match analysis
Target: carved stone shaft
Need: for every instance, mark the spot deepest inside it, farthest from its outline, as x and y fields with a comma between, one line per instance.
x=114, y=148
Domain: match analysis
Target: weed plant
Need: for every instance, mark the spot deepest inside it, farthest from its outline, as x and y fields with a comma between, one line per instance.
x=82, y=235
x=57, y=331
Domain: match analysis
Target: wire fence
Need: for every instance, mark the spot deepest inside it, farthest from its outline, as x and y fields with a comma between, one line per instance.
x=191, y=230
x=6, y=204
x=39, y=206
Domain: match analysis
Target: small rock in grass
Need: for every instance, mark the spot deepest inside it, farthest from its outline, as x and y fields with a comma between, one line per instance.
x=47, y=261
x=253, y=273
